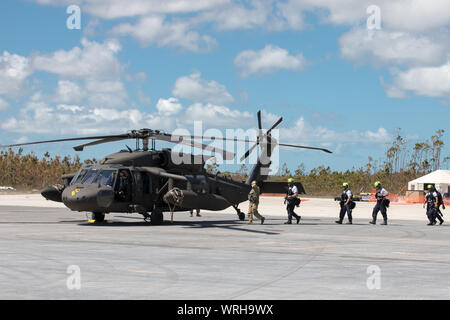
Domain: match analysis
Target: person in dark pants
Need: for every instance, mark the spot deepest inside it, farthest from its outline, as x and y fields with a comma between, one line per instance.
x=432, y=202
x=380, y=195
x=292, y=201
x=440, y=202
x=346, y=197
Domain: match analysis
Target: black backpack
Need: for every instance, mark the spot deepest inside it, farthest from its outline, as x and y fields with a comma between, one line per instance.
x=352, y=204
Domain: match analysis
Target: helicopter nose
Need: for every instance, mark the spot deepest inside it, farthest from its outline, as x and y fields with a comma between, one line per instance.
x=88, y=197
x=80, y=198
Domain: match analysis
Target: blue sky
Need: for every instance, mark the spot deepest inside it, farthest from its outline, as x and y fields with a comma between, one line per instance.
x=163, y=65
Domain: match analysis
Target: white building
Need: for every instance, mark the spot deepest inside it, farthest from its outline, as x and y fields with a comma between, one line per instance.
x=439, y=178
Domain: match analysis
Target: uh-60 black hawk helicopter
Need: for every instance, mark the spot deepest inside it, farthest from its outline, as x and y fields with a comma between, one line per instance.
x=149, y=182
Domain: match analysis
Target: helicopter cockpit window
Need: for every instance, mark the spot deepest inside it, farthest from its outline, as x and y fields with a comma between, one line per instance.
x=106, y=178
x=90, y=176
x=79, y=176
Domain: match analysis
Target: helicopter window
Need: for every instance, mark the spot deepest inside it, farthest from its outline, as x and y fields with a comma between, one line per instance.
x=79, y=176
x=90, y=176
x=106, y=178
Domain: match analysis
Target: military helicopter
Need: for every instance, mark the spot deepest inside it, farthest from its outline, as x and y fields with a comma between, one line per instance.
x=148, y=181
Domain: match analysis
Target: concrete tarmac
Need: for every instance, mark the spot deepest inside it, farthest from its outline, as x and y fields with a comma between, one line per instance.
x=216, y=256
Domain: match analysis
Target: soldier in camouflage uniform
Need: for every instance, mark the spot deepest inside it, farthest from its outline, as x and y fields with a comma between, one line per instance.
x=253, y=198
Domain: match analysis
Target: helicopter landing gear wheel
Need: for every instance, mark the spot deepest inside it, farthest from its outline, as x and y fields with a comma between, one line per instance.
x=157, y=217
x=98, y=216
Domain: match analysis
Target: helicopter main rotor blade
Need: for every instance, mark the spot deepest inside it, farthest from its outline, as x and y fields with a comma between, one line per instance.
x=93, y=143
x=249, y=151
x=259, y=120
x=274, y=126
x=63, y=140
x=260, y=136
x=169, y=138
x=303, y=147
x=176, y=136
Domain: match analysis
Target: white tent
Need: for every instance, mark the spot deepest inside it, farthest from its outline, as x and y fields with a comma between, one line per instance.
x=439, y=178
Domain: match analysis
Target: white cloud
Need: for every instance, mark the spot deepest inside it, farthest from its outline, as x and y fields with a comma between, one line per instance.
x=94, y=64
x=400, y=48
x=40, y=117
x=93, y=60
x=250, y=14
x=22, y=139
x=143, y=97
x=268, y=60
x=416, y=15
x=402, y=15
x=64, y=119
x=218, y=116
x=68, y=92
x=304, y=133
x=169, y=107
x=110, y=94
x=111, y=9
x=424, y=81
x=193, y=87
x=295, y=18
x=14, y=70
x=154, y=30
x=3, y=104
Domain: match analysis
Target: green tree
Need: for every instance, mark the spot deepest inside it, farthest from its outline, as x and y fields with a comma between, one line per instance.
x=437, y=144
x=300, y=171
x=285, y=172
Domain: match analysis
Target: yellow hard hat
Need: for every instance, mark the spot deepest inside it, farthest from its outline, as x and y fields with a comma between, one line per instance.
x=290, y=180
x=377, y=184
x=345, y=184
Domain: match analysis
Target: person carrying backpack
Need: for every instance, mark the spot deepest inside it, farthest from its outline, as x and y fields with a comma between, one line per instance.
x=292, y=200
x=346, y=201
